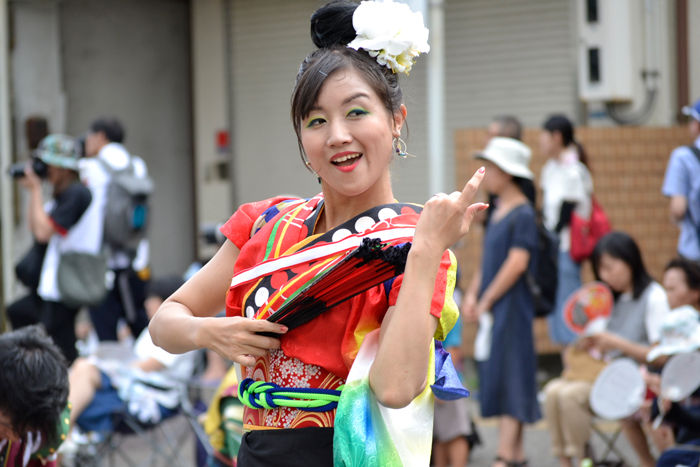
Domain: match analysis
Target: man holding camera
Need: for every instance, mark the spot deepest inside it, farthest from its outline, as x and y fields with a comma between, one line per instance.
x=58, y=226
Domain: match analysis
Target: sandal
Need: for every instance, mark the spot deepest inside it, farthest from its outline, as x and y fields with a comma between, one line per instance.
x=511, y=463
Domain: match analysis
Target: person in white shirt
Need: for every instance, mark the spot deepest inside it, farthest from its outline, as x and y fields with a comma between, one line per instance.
x=103, y=145
x=567, y=187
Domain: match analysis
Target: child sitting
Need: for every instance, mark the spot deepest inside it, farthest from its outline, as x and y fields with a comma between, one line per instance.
x=101, y=386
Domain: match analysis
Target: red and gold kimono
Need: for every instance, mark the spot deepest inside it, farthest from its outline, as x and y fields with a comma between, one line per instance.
x=317, y=354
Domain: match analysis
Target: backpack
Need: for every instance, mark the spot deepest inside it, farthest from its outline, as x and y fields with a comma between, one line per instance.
x=586, y=233
x=126, y=208
x=543, y=284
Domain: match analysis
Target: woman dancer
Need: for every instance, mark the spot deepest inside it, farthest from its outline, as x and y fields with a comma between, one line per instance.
x=348, y=113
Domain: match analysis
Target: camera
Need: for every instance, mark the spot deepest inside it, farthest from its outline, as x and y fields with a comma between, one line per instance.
x=39, y=167
x=210, y=233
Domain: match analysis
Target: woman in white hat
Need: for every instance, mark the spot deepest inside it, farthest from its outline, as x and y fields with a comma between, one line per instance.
x=499, y=293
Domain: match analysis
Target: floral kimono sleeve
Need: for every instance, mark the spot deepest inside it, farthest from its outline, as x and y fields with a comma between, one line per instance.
x=442, y=306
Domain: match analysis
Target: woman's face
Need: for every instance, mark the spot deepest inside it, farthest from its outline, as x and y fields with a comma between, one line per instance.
x=616, y=273
x=677, y=289
x=550, y=143
x=348, y=136
x=495, y=179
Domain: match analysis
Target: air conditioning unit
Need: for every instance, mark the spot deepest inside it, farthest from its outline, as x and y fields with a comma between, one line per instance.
x=610, y=46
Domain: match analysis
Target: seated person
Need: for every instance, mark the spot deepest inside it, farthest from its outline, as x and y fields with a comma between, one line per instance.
x=674, y=451
x=33, y=398
x=682, y=283
x=639, y=308
x=100, y=387
x=680, y=334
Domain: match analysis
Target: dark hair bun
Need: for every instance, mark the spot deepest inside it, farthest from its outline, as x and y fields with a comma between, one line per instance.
x=331, y=24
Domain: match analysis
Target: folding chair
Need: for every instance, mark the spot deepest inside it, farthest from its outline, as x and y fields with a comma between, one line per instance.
x=609, y=441
x=165, y=441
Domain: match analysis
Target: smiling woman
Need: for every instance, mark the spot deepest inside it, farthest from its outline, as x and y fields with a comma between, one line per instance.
x=348, y=137
x=377, y=344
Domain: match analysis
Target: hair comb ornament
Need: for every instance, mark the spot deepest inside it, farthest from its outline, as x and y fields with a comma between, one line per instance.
x=391, y=33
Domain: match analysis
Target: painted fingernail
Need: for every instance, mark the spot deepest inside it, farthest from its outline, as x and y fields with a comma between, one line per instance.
x=484, y=207
x=482, y=170
x=285, y=329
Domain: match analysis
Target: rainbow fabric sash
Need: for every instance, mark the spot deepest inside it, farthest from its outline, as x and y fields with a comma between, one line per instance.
x=368, y=434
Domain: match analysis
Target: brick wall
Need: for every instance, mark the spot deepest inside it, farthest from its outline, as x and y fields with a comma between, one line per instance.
x=628, y=166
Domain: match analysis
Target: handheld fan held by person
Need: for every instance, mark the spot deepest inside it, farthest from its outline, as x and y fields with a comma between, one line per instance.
x=366, y=266
x=588, y=308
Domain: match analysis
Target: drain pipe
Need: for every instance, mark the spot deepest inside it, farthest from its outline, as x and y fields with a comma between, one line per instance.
x=436, y=98
x=6, y=207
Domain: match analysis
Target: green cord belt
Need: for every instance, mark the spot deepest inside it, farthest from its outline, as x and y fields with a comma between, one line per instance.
x=263, y=395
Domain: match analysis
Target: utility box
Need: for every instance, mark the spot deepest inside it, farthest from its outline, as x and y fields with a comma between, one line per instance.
x=609, y=33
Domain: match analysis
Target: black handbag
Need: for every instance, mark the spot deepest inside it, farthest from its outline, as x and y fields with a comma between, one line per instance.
x=28, y=270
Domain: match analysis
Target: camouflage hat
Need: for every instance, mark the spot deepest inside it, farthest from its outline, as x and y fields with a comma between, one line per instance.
x=58, y=150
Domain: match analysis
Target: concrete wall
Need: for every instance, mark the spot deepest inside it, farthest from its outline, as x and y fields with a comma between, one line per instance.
x=130, y=59
x=37, y=78
x=75, y=60
x=210, y=114
x=694, y=48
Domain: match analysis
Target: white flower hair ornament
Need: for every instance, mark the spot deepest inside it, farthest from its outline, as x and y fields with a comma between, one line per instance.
x=391, y=33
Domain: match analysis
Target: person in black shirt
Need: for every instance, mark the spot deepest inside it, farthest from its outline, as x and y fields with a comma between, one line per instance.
x=57, y=226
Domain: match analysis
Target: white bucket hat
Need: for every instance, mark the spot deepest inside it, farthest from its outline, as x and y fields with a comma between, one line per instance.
x=680, y=333
x=509, y=155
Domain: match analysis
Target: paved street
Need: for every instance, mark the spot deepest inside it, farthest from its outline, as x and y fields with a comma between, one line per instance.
x=536, y=444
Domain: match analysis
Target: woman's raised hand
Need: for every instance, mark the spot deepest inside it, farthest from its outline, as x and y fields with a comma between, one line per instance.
x=446, y=218
x=237, y=338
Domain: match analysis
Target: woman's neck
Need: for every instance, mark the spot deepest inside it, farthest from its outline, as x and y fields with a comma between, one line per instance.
x=510, y=197
x=339, y=208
